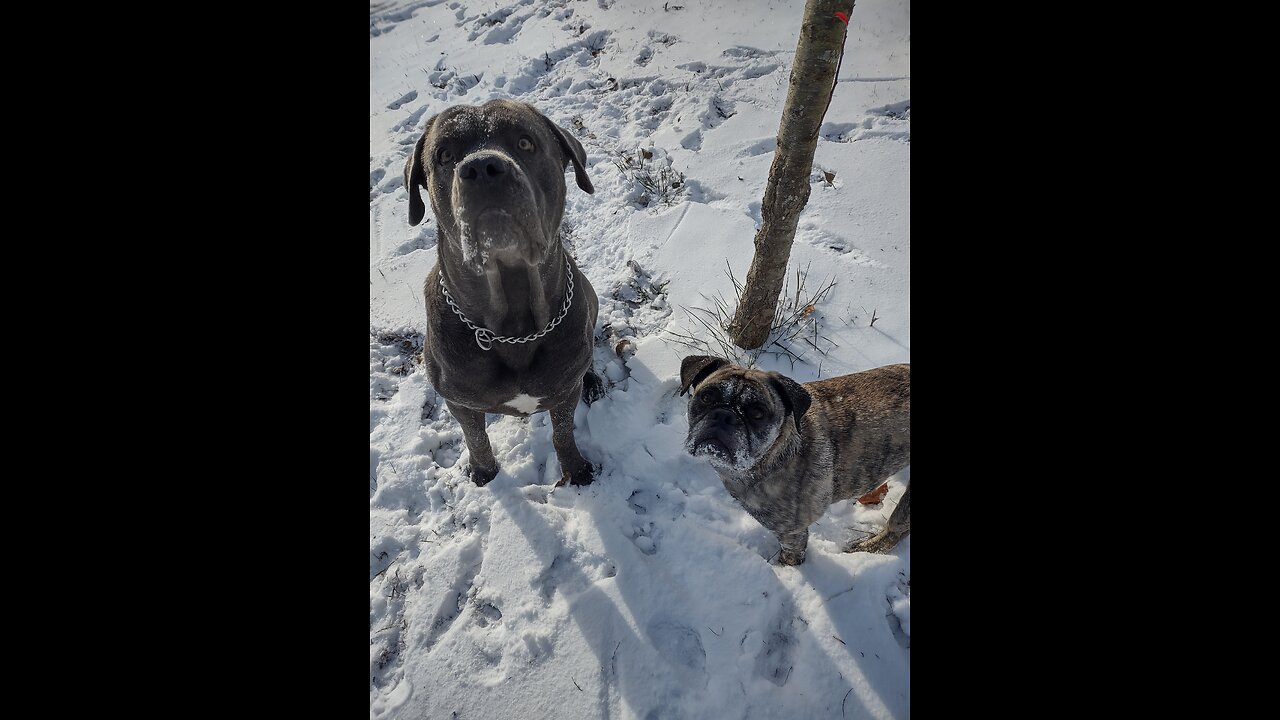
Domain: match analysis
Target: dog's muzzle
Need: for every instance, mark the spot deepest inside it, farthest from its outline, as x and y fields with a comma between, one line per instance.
x=719, y=434
x=496, y=210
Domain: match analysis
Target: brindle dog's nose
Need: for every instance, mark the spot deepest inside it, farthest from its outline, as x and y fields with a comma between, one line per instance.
x=482, y=167
x=725, y=416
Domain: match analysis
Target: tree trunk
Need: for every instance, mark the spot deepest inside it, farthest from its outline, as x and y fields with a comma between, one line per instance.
x=813, y=77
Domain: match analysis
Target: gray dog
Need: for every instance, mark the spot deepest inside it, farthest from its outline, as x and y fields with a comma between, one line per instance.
x=787, y=451
x=510, y=318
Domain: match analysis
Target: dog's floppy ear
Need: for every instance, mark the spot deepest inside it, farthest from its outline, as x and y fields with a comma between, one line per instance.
x=794, y=397
x=415, y=177
x=573, y=152
x=696, y=367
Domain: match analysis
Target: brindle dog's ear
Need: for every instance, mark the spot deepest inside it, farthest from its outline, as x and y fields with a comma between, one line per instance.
x=794, y=397
x=415, y=177
x=573, y=151
x=696, y=367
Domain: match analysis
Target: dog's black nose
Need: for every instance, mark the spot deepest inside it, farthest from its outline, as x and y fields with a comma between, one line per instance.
x=725, y=416
x=482, y=167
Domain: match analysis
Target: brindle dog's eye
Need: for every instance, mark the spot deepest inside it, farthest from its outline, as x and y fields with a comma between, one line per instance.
x=445, y=156
x=755, y=412
x=525, y=144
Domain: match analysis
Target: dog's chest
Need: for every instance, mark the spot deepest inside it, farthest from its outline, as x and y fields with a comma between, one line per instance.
x=485, y=382
x=767, y=501
x=524, y=403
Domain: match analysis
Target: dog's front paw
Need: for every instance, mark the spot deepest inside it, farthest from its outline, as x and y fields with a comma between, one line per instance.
x=592, y=387
x=787, y=557
x=584, y=475
x=481, y=476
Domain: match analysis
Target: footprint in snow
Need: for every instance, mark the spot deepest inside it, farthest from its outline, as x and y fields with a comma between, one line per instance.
x=775, y=651
x=899, y=615
x=408, y=97
x=454, y=600
x=643, y=538
x=681, y=646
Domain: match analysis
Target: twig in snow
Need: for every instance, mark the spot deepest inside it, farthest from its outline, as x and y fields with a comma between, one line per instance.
x=846, y=697
x=841, y=641
x=575, y=684
x=713, y=632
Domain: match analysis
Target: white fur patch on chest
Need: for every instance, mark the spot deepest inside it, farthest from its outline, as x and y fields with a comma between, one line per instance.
x=526, y=404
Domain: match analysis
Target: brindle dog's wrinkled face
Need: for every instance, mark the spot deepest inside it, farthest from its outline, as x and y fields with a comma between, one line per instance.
x=733, y=420
x=736, y=414
x=495, y=176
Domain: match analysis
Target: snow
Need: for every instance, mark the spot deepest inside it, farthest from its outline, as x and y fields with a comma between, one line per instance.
x=648, y=594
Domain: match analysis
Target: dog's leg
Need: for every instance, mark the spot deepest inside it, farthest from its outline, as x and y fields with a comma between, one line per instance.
x=793, y=546
x=483, y=465
x=898, y=527
x=592, y=387
x=573, y=467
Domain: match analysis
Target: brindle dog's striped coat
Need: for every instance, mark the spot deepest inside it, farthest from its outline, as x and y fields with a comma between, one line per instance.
x=787, y=451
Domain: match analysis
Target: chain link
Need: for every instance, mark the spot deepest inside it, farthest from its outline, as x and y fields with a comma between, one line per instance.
x=485, y=337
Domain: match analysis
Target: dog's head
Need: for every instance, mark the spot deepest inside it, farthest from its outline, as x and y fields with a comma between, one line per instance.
x=495, y=176
x=737, y=414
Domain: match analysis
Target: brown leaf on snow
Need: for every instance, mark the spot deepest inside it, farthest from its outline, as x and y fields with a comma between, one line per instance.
x=830, y=176
x=617, y=349
x=875, y=496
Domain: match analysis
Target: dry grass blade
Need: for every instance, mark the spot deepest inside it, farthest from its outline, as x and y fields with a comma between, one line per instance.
x=793, y=332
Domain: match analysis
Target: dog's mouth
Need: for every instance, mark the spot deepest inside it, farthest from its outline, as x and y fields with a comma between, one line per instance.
x=494, y=233
x=494, y=221
x=721, y=447
x=711, y=446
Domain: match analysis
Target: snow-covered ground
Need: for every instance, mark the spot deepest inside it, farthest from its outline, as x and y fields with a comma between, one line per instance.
x=648, y=594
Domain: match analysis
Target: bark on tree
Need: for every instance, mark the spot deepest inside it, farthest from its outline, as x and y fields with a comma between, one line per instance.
x=812, y=84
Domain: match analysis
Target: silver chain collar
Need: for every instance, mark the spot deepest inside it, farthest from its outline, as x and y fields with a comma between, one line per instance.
x=485, y=337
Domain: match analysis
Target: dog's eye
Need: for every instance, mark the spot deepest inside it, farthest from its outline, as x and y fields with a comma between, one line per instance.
x=445, y=156
x=755, y=412
x=525, y=144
